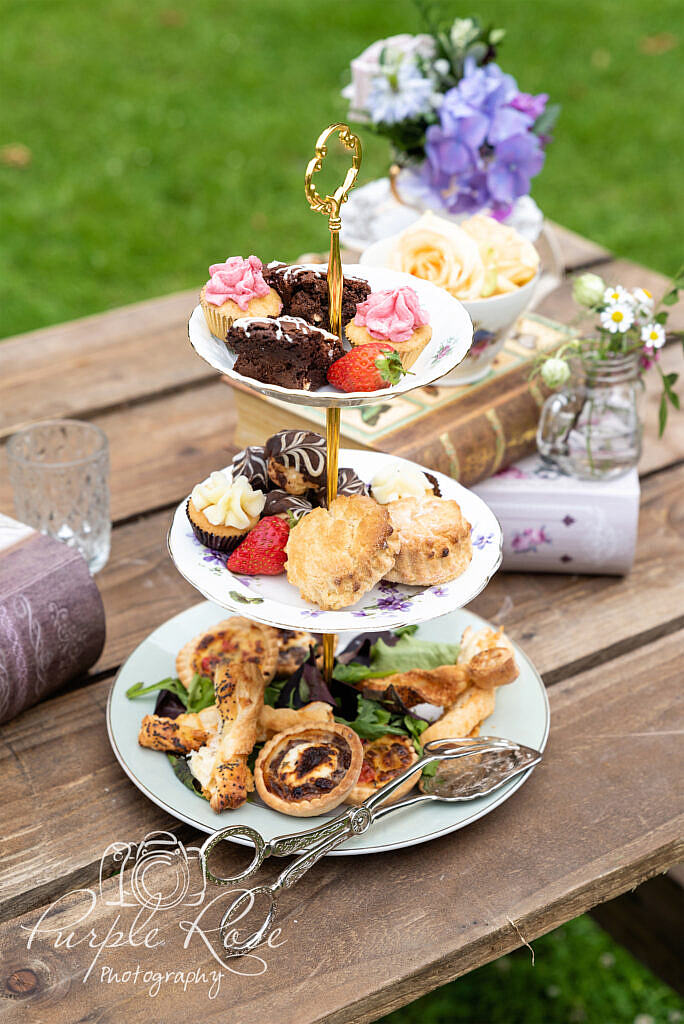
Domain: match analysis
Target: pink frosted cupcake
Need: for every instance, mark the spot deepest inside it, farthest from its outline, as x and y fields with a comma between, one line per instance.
x=395, y=316
x=235, y=289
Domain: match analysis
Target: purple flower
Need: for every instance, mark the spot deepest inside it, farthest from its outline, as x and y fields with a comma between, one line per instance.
x=568, y=520
x=483, y=152
x=449, y=154
x=394, y=603
x=533, y=106
x=648, y=357
x=516, y=162
x=480, y=542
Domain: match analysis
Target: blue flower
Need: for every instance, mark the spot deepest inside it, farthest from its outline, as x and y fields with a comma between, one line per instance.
x=399, y=93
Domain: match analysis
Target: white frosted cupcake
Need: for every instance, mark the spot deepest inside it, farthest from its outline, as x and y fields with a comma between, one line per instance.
x=396, y=480
x=223, y=511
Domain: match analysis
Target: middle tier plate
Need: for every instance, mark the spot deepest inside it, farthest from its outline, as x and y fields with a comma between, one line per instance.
x=452, y=336
x=271, y=599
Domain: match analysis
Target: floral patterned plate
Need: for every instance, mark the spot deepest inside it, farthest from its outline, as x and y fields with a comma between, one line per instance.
x=452, y=334
x=521, y=714
x=273, y=600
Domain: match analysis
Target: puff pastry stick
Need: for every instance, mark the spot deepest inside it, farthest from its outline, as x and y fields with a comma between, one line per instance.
x=239, y=698
x=470, y=708
x=439, y=686
x=275, y=720
x=179, y=735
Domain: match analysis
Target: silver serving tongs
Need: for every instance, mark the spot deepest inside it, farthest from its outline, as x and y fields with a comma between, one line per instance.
x=497, y=761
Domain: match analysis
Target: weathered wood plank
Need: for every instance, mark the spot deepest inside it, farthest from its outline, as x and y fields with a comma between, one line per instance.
x=141, y=589
x=601, y=814
x=160, y=448
x=88, y=365
x=578, y=252
x=659, y=452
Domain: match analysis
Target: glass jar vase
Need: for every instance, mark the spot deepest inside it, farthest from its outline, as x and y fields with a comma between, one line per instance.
x=593, y=429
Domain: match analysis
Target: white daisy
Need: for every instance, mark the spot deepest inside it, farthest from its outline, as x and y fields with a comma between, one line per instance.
x=616, y=293
x=617, y=318
x=643, y=297
x=653, y=335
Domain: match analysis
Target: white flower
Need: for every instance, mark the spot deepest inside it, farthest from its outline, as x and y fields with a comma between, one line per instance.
x=588, y=289
x=462, y=32
x=442, y=66
x=617, y=318
x=555, y=372
x=399, y=93
x=653, y=335
x=616, y=294
x=367, y=66
x=644, y=301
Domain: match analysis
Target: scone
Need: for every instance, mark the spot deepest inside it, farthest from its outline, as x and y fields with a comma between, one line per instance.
x=335, y=555
x=435, y=541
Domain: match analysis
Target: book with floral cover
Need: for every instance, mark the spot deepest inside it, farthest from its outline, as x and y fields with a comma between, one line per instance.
x=468, y=432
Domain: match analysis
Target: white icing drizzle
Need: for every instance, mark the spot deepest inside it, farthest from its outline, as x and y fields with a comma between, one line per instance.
x=297, y=451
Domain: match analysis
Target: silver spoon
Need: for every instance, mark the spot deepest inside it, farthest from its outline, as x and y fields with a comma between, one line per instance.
x=492, y=762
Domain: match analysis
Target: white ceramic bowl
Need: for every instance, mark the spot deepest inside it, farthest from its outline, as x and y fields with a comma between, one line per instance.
x=492, y=318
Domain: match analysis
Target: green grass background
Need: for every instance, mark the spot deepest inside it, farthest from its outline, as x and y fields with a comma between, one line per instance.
x=168, y=134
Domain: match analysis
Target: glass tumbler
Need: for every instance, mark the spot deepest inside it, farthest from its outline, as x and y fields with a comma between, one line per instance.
x=59, y=471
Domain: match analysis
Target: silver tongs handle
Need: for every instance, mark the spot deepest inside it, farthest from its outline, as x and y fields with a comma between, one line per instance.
x=324, y=839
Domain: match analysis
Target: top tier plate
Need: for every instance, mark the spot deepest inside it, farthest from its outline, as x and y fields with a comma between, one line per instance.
x=452, y=335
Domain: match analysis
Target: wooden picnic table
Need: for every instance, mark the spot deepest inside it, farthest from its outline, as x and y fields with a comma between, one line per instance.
x=365, y=935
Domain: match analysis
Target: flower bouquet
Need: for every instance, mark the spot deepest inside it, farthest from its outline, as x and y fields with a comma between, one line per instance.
x=473, y=140
x=593, y=428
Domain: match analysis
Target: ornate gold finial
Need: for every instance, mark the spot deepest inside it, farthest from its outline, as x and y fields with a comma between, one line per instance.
x=332, y=203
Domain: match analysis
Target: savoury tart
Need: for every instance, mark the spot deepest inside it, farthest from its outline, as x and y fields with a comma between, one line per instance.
x=335, y=555
x=384, y=759
x=233, y=639
x=435, y=540
x=310, y=769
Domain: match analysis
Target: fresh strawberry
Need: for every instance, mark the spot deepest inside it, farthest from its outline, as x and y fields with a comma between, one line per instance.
x=262, y=552
x=367, y=368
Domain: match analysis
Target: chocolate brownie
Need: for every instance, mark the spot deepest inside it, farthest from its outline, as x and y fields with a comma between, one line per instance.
x=283, y=350
x=304, y=293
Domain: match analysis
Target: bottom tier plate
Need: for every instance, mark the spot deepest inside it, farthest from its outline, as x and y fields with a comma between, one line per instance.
x=271, y=599
x=522, y=714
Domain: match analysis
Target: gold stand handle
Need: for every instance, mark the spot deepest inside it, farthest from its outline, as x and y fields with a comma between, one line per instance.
x=331, y=206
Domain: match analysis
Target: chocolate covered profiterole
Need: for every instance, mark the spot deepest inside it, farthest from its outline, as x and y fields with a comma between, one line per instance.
x=296, y=460
x=252, y=463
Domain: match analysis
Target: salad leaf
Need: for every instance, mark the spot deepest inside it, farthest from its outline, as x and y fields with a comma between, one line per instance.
x=172, y=685
x=303, y=686
x=199, y=696
x=181, y=769
x=201, y=693
x=406, y=653
x=373, y=721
